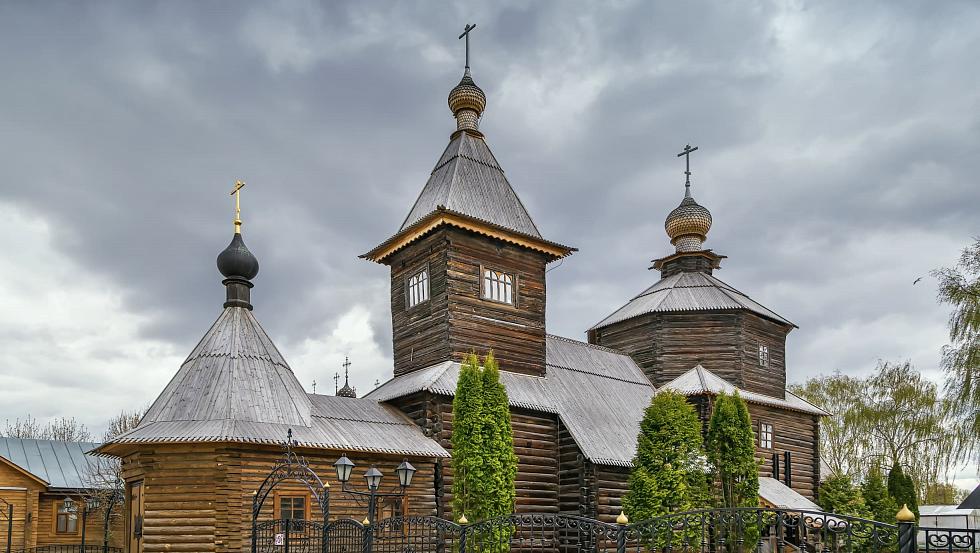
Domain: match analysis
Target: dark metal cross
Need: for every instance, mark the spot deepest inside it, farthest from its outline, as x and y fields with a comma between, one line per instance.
x=336, y=381
x=687, y=154
x=346, y=366
x=466, y=33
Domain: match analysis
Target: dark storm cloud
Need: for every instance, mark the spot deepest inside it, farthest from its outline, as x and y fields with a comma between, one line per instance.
x=839, y=151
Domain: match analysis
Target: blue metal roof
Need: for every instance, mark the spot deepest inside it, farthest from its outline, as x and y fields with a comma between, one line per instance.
x=60, y=464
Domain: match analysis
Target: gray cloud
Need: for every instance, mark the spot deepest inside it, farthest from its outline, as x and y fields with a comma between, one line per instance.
x=839, y=148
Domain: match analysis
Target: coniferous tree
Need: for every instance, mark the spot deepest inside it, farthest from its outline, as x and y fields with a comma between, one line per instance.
x=881, y=506
x=839, y=495
x=484, y=462
x=669, y=472
x=902, y=489
x=467, y=441
x=731, y=451
x=499, y=435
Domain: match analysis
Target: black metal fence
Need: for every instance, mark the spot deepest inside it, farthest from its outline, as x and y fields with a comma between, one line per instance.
x=707, y=531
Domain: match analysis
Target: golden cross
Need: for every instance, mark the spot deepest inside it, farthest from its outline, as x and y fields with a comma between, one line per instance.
x=238, y=207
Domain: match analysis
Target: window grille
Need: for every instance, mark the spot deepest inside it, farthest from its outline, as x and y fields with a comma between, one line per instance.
x=763, y=356
x=498, y=286
x=292, y=507
x=765, y=435
x=418, y=288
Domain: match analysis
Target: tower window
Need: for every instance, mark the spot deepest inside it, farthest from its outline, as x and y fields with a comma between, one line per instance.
x=498, y=286
x=765, y=435
x=763, y=356
x=417, y=288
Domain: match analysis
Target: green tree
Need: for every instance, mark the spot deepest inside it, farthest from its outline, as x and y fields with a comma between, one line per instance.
x=843, y=435
x=838, y=494
x=669, y=470
x=731, y=451
x=499, y=446
x=943, y=493
x=484, y=463
x=893, y=415
x=469, y=483
x=902, y=489
x=881, y=506
x=959, y=287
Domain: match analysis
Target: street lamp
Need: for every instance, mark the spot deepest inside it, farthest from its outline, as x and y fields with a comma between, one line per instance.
x=372, y=477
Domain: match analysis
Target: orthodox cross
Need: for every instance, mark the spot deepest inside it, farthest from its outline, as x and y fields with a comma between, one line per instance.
x=346, y=366
x=466, y=33
x=314, y=385
x=238, y=207
x=687, y=154
x=336, y=379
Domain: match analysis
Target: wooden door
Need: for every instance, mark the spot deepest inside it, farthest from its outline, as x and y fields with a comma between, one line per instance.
x=135, y=518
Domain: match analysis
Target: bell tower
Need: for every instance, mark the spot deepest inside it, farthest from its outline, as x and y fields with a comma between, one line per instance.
x=468, y=263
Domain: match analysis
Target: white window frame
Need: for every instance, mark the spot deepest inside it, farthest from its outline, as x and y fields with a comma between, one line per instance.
x=767, y=434
x=417, y=288
x=763, y=355
x=498, y=286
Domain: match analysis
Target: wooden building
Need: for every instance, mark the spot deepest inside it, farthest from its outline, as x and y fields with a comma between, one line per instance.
x=468, y=273
x=36, y=477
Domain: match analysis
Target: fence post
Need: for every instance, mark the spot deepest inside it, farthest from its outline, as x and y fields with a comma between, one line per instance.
x=462, y=535
x=907, y=531
x=622, y=520
x=368, y=536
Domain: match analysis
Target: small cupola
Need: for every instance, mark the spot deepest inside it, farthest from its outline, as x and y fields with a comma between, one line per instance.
x=237, y=264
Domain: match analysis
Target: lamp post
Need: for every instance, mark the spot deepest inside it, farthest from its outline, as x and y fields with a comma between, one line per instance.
x=372, y=477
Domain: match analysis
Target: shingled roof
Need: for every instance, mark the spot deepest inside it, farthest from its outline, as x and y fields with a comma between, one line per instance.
x=689, y=291
x=599, y=395
x=235, y=386
x=468, y=180
x=701, y=381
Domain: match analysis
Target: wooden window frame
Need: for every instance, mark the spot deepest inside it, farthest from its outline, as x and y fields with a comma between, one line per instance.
x=514, y=286
x=54, y=522
x=764, y=358
x=762, y=434
x=428, y=286
x=277, y=507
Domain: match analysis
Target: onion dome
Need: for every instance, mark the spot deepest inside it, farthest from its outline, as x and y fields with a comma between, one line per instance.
x=239, y=267
x=237, y=261
x=688, y=224
x=467, y=102
x=347, y=391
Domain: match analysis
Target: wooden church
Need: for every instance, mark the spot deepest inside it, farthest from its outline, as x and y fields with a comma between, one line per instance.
x=468, y=273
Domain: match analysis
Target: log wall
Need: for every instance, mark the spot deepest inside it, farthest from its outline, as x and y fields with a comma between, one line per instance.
x=797, y=433
x=22, y=492
x=667, y=345
x=456, y=320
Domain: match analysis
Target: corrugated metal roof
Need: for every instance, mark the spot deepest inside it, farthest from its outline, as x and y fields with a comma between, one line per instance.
x=236, y=387
x=694, y=291
x=234, y=373
x=598, y=394
x=781, y=496
x=700, y=380
x=338, y=423
x=60, y=464
x=467, y=179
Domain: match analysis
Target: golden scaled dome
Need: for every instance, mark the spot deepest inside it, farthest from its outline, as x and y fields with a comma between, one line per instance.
x=688, y=225
x=466, y=95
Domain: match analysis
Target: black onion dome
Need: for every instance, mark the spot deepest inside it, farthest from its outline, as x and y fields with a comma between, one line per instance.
x=237, y=261
x=347, y=391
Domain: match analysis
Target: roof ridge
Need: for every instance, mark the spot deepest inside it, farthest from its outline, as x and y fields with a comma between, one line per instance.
x=599, y=375
x=587, y=344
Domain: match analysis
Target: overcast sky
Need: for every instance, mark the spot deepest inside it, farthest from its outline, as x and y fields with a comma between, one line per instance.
x=839, y=148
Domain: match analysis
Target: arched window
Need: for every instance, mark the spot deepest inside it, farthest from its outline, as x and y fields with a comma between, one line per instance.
x=417, y=288
x=498, y=286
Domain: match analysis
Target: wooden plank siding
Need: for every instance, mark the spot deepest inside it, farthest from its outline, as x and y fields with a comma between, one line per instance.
x=199, y=497
x=456, y=320
x=667, y=345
